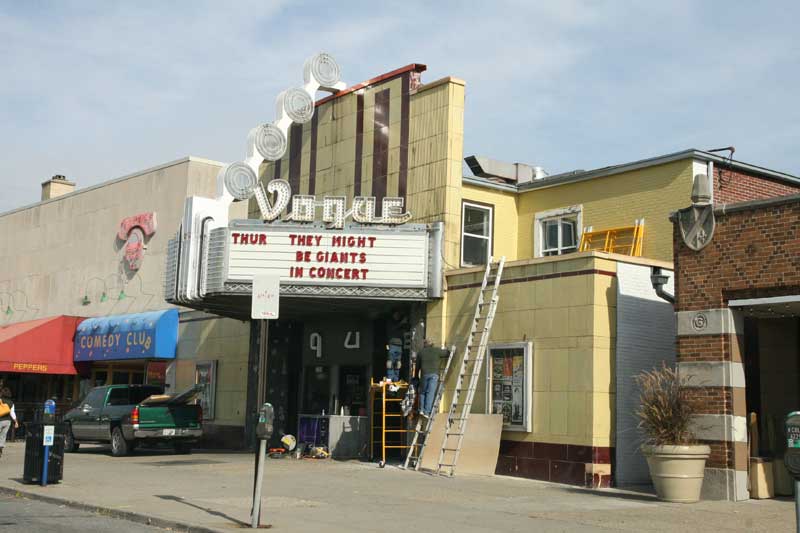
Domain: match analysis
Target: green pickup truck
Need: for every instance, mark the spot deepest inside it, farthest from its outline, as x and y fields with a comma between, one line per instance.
x=128, y=415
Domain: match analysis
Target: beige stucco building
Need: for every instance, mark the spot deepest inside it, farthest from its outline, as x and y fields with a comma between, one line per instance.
x=66, y=255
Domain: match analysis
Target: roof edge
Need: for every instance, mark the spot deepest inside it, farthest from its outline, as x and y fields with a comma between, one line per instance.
x=411, y=67
x=187, y=159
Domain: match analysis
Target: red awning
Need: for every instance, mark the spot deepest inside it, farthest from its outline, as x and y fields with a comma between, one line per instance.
x=42, y=346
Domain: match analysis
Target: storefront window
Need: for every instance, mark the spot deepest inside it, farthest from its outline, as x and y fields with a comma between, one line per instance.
x=509, y=382
x=99, y=378
x=476, y=234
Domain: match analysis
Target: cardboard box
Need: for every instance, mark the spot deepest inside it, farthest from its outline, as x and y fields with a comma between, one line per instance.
x=762, y=481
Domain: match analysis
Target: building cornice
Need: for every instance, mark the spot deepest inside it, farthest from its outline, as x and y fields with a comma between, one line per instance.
x=187, y=159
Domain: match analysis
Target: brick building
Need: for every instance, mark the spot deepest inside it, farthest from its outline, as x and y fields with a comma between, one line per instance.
x=738, y=327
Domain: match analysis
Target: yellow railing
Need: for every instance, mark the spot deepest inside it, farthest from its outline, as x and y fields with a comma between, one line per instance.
x=626, y=240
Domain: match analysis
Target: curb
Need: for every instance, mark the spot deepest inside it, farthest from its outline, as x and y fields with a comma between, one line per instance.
x=130, y=516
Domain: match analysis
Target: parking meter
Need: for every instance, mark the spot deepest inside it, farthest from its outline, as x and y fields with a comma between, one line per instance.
x=49, y=413
x=792, y=457
x=266, y=417
x=48, y=432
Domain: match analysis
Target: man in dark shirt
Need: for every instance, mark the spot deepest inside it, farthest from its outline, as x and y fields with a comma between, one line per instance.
x=428, y=361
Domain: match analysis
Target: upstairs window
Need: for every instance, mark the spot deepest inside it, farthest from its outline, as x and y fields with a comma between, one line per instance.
x=557, y=231
x=560, y=235
x=476, y=233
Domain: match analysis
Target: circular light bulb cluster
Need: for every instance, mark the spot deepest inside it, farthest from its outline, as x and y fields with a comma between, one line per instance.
x=297, y=104
x=269, y=141
x=323, y=69
x=240, y=180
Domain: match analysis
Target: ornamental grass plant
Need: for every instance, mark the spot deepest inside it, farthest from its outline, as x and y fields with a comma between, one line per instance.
x=665, y=408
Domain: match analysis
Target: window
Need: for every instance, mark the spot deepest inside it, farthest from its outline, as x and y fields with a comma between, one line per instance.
x=560, y=235
x=95, y=398
x=557, y=231
x=476, y=234
x=509, y=382
x=118, y=396
x=139, y=394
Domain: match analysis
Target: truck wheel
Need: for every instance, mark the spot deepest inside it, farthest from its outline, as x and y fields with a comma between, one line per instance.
x=183, y=448
x=69, y=440
x=119, y=446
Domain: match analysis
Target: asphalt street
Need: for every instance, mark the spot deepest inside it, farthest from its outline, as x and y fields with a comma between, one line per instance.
x=26, y=516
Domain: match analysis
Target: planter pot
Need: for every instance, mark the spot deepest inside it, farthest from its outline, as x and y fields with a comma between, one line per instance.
x=677, y=471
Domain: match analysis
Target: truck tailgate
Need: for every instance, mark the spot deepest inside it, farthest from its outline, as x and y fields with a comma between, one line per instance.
x=169, y=416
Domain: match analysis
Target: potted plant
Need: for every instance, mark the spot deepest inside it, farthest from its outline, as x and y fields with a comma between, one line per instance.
x=677, y=462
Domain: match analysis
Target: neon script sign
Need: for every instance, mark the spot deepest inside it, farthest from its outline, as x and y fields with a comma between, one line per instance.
x=305, y=207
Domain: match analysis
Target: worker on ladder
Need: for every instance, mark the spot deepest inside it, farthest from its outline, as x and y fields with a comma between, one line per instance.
x=428, y=360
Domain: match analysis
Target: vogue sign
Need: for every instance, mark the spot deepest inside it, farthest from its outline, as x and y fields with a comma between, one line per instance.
x=305, y=207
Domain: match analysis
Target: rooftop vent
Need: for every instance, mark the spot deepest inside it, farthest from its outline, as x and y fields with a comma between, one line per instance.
x=518, y=173
x=56, y=186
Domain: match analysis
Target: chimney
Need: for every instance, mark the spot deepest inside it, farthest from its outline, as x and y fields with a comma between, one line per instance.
x=56, y=186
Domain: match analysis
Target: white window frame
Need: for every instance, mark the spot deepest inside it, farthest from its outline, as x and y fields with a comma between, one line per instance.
x=562, y=212
x=489, y=239
x=527, y=383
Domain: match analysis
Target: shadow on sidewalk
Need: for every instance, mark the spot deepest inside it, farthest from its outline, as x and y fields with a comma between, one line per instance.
x=616, y=494
x=209, y=511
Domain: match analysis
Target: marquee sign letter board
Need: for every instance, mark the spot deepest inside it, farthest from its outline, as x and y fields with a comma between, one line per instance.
x=300, y=256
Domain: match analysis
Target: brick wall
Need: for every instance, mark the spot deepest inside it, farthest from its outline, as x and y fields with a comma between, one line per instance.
x=754, y=253
x=731, y=186
x=712, y=400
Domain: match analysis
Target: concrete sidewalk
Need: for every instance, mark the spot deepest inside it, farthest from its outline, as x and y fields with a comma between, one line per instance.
x=212, y=491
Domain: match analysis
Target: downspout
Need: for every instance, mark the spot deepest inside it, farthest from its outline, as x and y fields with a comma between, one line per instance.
x=658, y=279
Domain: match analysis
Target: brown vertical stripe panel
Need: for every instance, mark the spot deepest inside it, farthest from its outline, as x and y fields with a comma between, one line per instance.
x=405, y=100
x=380, y=149
x=277, y=167
x=359, y=143
x=312, y=169
x=295, y=152
x=295, y=156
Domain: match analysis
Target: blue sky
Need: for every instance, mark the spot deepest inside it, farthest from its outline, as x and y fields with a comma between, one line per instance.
x=98, y=90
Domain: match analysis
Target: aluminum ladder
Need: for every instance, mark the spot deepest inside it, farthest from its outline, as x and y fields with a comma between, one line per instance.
x=424, y=425
x=471, y=364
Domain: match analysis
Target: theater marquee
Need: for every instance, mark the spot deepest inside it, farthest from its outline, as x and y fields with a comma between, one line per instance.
x=374, y=259
x=332, y=246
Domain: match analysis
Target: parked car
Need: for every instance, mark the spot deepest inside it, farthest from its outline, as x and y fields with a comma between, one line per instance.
x=128, y=415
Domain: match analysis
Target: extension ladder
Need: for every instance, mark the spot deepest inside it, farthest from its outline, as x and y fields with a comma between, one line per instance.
x=471, y=364
x=424, y=425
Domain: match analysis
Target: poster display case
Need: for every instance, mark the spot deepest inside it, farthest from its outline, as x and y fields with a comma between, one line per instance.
x=509, y=382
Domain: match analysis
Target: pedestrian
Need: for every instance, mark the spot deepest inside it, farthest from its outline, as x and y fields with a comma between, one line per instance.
x=7, y=416
x=5, y=392
x=428, y=361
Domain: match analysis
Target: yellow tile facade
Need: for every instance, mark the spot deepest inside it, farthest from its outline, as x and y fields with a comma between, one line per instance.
x=434, y=152
x=554, y=303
